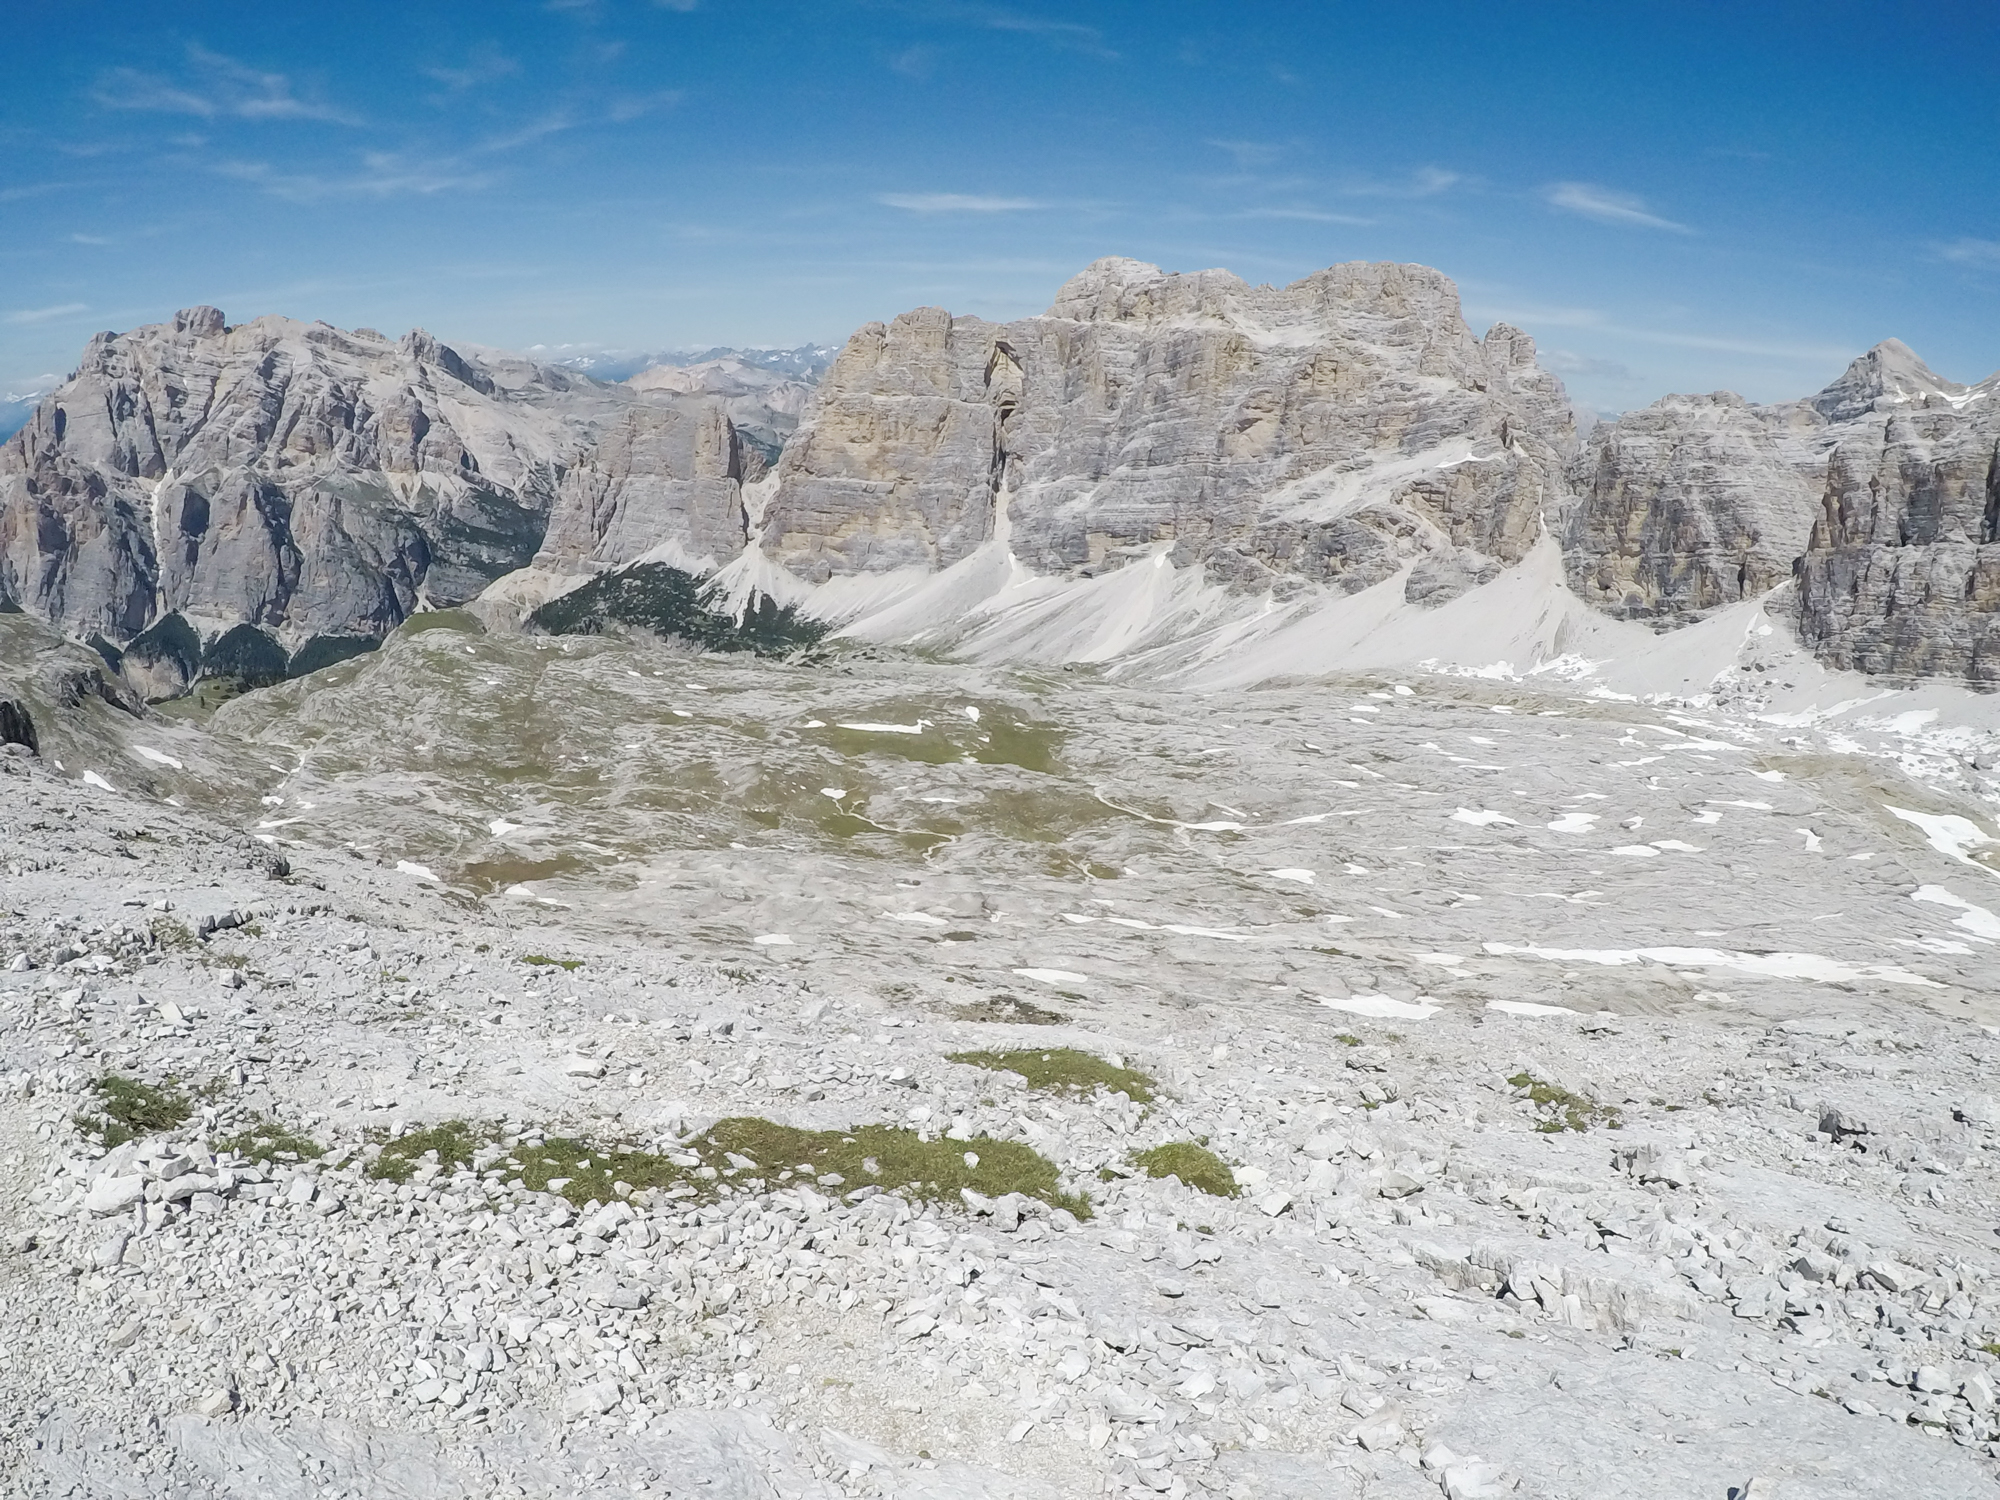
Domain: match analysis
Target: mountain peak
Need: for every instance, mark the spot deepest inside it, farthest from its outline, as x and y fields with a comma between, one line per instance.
x=1892, y=372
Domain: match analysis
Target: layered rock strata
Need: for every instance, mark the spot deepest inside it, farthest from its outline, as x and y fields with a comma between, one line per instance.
x=663, y=473
x=269, y=496
x=1700, y=501
x=1901, y=574
x=1335, y=430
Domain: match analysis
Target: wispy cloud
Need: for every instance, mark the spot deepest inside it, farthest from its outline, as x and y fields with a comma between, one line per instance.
x=683, y=6
x=1250, y=154
x=916, y=62
x=1072, y=36
x=956, y=203
x=29, y=315
x=485, y=64
x=553, y=123
x=31, y=190
x=213, y=87
x=629, y=107
x=1306, y=215
x=382, y=175
x=89, y=239
x=1534, y=318
x=1425, y=182
x=1566, y=362
x=1982, y=254
x=1606, y=206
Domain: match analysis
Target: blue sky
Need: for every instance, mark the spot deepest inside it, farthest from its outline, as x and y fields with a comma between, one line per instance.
x=1681, y=196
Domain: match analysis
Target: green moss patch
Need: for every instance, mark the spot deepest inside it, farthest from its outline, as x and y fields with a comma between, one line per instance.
x=749, y=1153
x=543, y=961
x=265, y=1139
x=454, y=1141
x=1194, y=1165
x=1561, y=1110
x=128, y=1108
x=1063, y=1070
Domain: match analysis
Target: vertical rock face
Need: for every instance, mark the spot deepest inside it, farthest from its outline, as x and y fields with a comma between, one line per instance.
x=660, y=474
x=1881, y=495
x=1877, y=494
x=194, y=478
x=1694, y=502
x=1332, y=430
x=1902, y=571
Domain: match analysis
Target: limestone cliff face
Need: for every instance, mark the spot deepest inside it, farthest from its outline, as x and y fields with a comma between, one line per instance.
x=1333, y=430
x=1879, y=495
x=195, y=479
x=1901, y=574
x=661, y=474
x=1695, y=502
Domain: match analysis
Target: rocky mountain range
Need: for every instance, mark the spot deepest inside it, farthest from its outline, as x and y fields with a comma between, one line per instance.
x=263, y=498
x=763, y=401
x=1878, y=494
x=266, y=497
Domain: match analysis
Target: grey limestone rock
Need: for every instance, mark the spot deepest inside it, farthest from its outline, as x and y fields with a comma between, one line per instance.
x=1901, y=574
x=1334, y=430
x=315, y=487
x=663, y=472
x=1878, y=494
x=1694, y=502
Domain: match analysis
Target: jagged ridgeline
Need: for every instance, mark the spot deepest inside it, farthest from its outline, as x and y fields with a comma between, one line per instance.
x=1269, y=452
x=668, y=601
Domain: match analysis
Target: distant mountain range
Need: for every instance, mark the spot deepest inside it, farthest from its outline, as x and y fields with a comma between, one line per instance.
x=1164, y=464
x=15, y=409
x=806, y=362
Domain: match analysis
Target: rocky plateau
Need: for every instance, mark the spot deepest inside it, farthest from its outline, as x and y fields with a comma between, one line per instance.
x=1268, y=921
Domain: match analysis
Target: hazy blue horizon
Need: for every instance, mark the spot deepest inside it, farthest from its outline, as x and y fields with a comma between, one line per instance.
x=1668, y=198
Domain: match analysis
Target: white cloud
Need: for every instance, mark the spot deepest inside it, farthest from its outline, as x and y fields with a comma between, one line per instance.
x=1425, y=182
x=1567, y=362
x=1307, y=215
x=534, y=130
x=214, y=86
x=1532, y=318
x=1069, y=35
x=915, y=62
x=956, y=203
x=383, y=175
x=484, y=64
x=1606, y=206
x=1984, y=254
x=29, y=315
x=1250, y=154
x=629, y=107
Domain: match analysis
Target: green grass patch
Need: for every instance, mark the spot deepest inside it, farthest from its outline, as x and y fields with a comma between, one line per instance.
x=543, y=961
x=1063, y=1070
x=454, y=1141
x=128, y=1109
x=1561, y=1110
x=265, y=1139
x=1195, y=1165
x=747, y=1152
